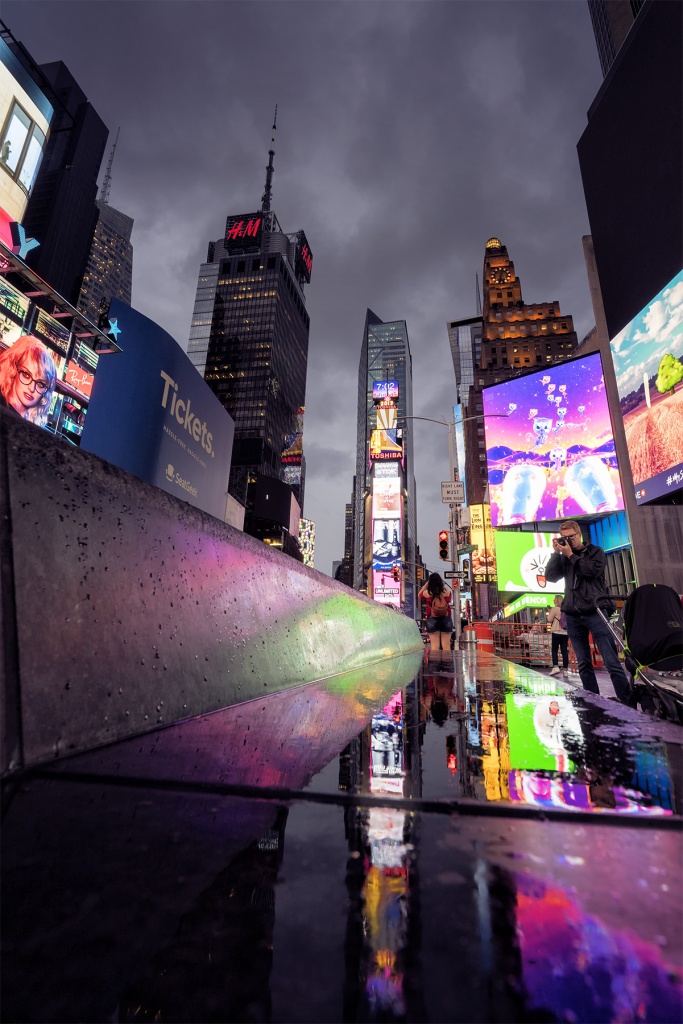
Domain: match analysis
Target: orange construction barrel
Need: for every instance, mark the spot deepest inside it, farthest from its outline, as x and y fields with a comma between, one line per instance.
x=484, y=632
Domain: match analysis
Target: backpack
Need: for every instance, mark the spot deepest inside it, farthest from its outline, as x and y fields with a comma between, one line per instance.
x=563, y=621
x=440, y=608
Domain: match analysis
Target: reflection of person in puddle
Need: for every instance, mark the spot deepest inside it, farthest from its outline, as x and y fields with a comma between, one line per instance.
x=27, y=379
x=555, y=720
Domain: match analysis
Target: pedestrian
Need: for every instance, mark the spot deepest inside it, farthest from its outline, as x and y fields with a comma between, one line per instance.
x=583, y=568
x=439, y=621
x=557, y=620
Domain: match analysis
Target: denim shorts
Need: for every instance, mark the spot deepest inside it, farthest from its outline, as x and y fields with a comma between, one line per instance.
x=441, y=625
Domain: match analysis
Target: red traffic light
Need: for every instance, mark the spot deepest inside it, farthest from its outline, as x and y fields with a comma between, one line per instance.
x=443, y=545
x=396, y=573
x=443, y=536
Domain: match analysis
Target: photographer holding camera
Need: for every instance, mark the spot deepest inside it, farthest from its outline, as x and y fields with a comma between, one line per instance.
x=583, y=568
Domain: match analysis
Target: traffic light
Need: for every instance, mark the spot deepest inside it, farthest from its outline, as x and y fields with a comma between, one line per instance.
x=396, y=573
x=443, y=546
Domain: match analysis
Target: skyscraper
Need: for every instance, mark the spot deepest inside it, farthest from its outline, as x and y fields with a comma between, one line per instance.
x=61, y=212
x=249, y=340
x=109, y=270
x=385, y=527
x=612, y=21
x=515, y=337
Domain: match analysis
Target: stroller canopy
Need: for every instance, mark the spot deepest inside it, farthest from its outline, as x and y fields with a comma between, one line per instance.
x=653, y=627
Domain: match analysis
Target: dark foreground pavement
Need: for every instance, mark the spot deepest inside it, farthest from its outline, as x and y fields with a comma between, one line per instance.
x=474, y=842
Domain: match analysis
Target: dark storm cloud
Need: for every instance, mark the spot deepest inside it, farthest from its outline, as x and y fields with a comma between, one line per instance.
x=408, y=133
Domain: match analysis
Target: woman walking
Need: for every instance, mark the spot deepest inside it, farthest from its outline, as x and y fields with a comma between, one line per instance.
x=559, y=638
x=439, y=621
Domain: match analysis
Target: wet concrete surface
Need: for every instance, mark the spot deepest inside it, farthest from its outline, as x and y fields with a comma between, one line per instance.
x=454, y=838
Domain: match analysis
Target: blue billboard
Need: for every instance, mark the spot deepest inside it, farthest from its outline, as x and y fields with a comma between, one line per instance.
x=153, y=415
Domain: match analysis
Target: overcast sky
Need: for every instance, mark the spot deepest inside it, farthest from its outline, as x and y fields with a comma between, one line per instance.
x=408, y=134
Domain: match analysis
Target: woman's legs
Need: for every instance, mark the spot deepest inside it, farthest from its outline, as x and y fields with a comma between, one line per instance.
x=564, y=647
x=445, y=639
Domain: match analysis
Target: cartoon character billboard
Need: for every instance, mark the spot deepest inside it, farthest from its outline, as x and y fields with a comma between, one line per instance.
x=648, y=362
x=152, y=414
x=550, y=448
x=522, y=559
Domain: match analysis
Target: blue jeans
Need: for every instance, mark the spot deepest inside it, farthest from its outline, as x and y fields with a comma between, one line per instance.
x=578, y=628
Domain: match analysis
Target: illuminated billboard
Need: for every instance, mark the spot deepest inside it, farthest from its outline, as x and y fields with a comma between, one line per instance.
x=307, y=541
x=385, y=445
x=483, y=558
x=153, y=415
x=460, y=446
x=243, y=231
x=386, y=543
x=303, y=259
x=648, y=362
x=25, y=115
x=522, y=559
x=549, y=445
x=384, y=389
x=14, y=308
x=29, y=373
x=386, y=498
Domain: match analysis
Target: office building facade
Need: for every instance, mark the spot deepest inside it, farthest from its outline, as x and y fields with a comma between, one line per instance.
x=634, y=257
x=109, y=270
x=385, y=526
x=510, y=338
x=61, y=212
x=612, y=20
x=249, y=340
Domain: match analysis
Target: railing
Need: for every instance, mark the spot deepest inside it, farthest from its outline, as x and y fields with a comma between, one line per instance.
x=531, y=645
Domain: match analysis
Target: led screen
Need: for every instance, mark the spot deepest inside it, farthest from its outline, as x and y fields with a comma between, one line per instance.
x=13, y=312
x=648, y=362
x=386, y=543
x=386, y=498
x=384, y=389
x=550, y=448
x=484, y=568
x=385, y=589
x=522, y=559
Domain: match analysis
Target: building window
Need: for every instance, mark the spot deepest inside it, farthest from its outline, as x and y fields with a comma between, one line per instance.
x=241, y=266
x=271, y=263
x=21, y=147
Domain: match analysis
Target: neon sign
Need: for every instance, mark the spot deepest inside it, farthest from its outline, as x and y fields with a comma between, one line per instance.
x=245, y=226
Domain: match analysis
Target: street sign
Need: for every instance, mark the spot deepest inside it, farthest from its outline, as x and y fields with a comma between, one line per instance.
x=450, y=574
x=452, y=491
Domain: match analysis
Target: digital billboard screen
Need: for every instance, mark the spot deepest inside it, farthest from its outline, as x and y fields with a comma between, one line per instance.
x=549, y=445
x=384, y=389
x=483, y=560
x=522, y=559
x=386, y=498
x=648, y=363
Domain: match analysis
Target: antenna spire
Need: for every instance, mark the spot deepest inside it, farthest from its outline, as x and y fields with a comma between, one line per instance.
x=268, y=193
x=106, y=183
x=478, y=294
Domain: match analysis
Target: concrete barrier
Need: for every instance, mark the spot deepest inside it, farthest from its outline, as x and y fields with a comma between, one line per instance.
x=125, y=609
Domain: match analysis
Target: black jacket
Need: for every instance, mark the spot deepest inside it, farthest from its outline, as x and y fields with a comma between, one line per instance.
x=584, y=574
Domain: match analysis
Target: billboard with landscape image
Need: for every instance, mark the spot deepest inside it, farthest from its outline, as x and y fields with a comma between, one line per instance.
x=648, y=362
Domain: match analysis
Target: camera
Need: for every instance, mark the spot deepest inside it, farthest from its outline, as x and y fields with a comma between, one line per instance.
x=562, y=540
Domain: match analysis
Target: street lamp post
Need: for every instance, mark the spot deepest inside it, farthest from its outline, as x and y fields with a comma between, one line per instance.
x=454, y=519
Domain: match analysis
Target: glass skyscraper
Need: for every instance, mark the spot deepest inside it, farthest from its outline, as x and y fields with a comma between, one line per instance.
x=249, y=340
x=385, y=356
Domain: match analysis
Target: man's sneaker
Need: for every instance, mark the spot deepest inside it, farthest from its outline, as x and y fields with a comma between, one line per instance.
x=555, y=671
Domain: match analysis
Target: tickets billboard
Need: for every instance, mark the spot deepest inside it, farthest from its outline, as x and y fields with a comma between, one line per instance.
x=549, y=445
x=648, y=363
x=152, y=414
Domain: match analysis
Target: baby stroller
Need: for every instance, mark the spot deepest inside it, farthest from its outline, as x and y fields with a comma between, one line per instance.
x=648, y=628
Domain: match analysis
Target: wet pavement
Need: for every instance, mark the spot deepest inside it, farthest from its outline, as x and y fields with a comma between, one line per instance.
x=454, y=838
